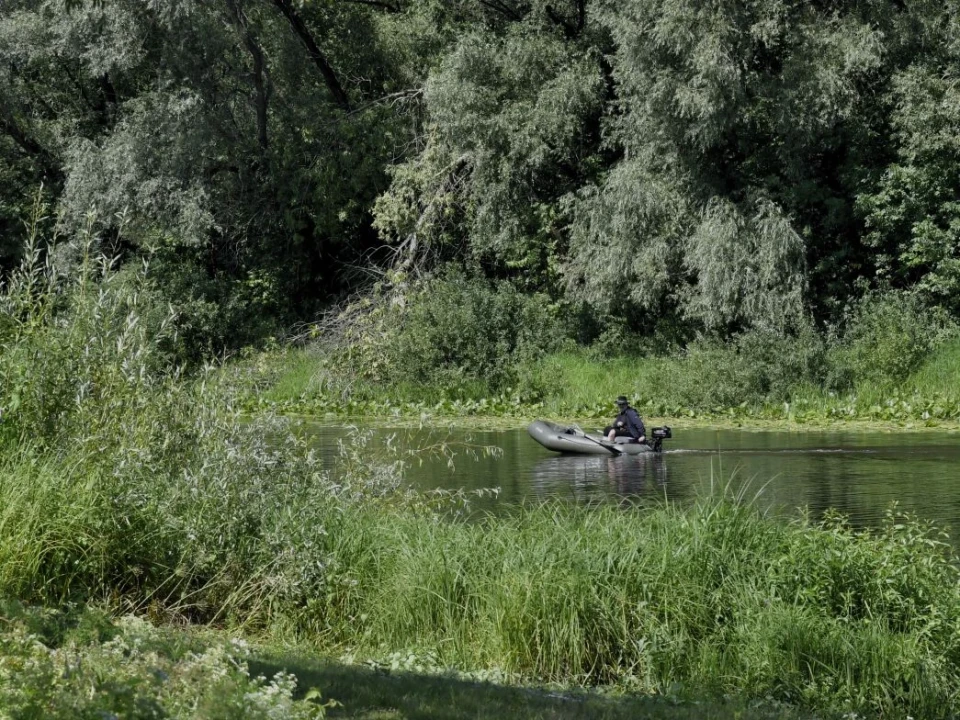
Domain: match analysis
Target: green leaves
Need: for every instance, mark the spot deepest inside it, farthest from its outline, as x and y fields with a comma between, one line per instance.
x=506, y=134
x=913, y=211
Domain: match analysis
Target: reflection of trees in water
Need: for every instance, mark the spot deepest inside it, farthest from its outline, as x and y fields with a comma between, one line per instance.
x=592, y=477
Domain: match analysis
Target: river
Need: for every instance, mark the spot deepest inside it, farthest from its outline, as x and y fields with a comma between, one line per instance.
x=861, y=474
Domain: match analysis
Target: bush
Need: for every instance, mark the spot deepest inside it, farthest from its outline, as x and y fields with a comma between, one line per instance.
x=756, y=367
x=449, y=335
x=886, y=337
x=460, y=330
x=137, y=672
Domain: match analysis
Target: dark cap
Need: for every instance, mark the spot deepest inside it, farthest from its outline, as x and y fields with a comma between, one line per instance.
x=622, y=400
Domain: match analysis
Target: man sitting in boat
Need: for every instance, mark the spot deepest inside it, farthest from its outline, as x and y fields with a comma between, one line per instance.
x=627, y=423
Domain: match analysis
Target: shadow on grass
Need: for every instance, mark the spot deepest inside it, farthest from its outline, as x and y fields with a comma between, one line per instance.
x=368, y=694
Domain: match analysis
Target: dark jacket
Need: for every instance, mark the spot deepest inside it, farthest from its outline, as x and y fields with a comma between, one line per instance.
x=631, y=423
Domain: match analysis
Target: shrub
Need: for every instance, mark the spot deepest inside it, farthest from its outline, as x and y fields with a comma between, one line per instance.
x=886, y=336
x=138, y=673
x=458, y=329
x=451, y=334
x=756, y=367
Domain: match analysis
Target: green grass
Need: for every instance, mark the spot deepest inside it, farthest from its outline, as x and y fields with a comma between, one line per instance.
x=939, y=374
x=365, y=693
x=297, y=377
x=126, y=484
x=581, y=386
x=77, y=661
x=583, y=381
x=714, y=599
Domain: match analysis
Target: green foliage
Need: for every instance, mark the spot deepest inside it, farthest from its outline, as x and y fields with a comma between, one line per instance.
x=896, y=361
x=886, y=338
x=122, y=479
x=139, y=673
x=211, y=132
x=456, y=330
x=403, y=684
x=126, y=483
x=913, y=215
x=75, y=351
x=506, y=137
x=718, y=198
x=731, y=167
x=754, y=369
x=462, y=337
x=813, y=614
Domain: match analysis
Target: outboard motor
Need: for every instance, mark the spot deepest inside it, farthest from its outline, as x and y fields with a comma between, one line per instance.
x=659, y=434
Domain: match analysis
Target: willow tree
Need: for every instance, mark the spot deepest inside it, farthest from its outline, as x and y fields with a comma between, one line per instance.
x=698, y=159
x=913, y=207
x=512, y=127
x=240, y=143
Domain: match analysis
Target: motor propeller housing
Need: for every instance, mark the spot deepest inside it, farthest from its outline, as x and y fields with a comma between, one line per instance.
x=659, y=434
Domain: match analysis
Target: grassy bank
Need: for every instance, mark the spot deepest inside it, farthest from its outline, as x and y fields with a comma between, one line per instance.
x=713, y=600
x=127, y=485
x=448, y=346
x=583, y=386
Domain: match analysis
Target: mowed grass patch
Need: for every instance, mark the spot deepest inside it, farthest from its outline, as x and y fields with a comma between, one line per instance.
x=365, y=693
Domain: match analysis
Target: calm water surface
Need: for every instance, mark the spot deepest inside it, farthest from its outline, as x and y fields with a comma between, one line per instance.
x=860, y=474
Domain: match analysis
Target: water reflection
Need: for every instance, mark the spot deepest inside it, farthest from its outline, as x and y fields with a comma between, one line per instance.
x=590, y=476
x=860, y=474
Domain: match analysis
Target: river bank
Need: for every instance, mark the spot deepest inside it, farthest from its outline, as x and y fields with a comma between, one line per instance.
x=296, y=382
x=133, y=486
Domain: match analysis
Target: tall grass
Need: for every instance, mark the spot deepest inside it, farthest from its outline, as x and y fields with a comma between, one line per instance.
x=714, y=597
x=125, y=482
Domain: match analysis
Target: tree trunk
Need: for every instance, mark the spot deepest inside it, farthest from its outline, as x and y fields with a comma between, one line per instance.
x=306, y=37
x=261, y=75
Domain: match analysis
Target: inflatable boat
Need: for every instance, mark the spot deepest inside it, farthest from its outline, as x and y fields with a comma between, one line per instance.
x=571, y=439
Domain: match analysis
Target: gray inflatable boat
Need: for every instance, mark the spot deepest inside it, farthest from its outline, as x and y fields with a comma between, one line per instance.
x=571, y=439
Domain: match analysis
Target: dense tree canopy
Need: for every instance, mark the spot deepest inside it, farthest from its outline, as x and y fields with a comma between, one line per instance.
x=727, y=164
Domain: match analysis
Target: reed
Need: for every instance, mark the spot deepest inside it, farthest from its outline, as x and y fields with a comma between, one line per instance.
x=126, y=483
x=712, y=597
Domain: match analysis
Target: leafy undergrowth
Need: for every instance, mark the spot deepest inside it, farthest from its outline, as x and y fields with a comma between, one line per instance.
x=891, y=360
x=80, y=664
x=286, y=382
